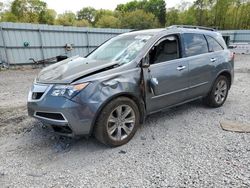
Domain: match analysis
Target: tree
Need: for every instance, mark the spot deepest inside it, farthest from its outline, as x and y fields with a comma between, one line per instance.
x=131, y=6
x=107, y=21
x=102, y=12
x=200, y=6
x=28, y=10
x=8, y=17
x=66, y=19
x=1, y=7
x=47, y=17
x=82, y=23
x=136, y=14
x=87, y=13
x=188, y=17
x=69, y=19
x=158, y=8
x=172, y=16
x=138, y=19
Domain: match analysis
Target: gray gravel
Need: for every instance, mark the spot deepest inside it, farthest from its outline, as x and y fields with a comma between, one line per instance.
x=183, y=147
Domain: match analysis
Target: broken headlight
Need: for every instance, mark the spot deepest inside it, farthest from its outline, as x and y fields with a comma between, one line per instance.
x=68, y=91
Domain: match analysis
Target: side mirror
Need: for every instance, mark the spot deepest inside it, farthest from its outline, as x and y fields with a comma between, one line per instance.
x=145, y=62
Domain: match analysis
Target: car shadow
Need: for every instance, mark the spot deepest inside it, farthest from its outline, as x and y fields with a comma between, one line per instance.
x=175, y=111
x=43, y=137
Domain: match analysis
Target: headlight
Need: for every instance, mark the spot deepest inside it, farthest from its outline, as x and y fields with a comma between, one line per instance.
x=68, y=91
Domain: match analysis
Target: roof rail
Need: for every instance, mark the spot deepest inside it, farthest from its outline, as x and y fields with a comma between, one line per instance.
x=191, y=27
x=132, y=30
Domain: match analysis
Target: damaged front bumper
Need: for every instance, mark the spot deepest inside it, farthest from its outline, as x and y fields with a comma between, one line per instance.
x=66, y=117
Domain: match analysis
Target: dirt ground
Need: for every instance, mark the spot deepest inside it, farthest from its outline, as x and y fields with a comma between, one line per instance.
x=182, y=147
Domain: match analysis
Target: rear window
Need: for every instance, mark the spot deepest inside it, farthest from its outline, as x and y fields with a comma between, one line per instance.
x=213, y=45
x=195, y=44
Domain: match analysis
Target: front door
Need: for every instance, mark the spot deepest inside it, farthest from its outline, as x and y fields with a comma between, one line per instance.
x=166, y=78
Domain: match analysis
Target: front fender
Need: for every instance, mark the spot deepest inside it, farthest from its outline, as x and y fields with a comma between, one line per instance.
x=99, y=92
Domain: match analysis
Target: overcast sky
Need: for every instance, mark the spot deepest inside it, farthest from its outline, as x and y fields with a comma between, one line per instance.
x=74, y=5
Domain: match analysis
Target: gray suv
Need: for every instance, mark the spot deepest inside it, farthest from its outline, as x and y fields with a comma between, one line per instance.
x=111, y=91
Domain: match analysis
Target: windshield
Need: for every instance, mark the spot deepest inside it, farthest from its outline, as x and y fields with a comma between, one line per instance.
x=121, y=48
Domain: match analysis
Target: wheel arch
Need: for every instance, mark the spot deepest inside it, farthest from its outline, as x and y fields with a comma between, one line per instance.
x=139, y=102
x=227, y=74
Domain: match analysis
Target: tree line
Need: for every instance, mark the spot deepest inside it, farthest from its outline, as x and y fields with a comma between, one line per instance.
x=136, y=14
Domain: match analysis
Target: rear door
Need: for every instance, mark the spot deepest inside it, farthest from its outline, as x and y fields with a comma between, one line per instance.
x=200, y=63
x=216, y=50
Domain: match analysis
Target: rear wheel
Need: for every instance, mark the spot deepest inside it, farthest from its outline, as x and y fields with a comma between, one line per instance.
x=117, y=122
x=219, y=92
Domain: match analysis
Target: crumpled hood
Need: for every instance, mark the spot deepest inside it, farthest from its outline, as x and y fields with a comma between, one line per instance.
x=70, y=69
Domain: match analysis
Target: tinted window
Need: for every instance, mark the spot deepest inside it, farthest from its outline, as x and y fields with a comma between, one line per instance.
x=166, y=49
x=195, y=44
x=213, y=45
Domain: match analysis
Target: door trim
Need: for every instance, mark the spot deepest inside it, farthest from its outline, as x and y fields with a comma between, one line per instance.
x=198, y=85
x=170, y=93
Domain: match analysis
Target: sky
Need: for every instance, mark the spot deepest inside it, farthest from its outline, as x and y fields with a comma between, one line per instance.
x=61, y=6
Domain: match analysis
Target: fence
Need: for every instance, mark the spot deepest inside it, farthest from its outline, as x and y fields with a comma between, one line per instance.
x=237, y=36
x=19, y=42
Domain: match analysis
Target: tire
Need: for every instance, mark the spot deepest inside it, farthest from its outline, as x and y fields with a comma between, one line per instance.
x=218, y=94
x=117, y=122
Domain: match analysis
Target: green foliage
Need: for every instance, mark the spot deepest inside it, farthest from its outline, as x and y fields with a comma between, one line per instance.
x=156, y=7
x=28, y=10
x=107, y=21
x=69, y=19
x=87, y=13
x=138, y=19
x=131, y=6
x=221, y=14
x=8, y=17
x=172, y=16
x=82, y=23
x=102, y=12
x=1, y=6
x=136, y=14
x=48, y=16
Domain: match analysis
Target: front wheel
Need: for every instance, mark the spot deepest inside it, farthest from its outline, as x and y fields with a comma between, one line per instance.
x=219, y=92
x=117, y=122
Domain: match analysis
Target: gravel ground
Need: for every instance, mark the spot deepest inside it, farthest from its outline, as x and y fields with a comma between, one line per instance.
x=183, y=147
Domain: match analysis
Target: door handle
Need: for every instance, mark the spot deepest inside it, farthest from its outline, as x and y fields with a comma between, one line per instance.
x=180, y=68
x=213, y=59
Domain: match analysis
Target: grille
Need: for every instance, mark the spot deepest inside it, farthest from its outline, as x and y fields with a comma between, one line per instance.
x=53, y=116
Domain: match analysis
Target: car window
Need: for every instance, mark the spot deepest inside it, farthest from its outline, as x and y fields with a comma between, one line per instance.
x=123, y=48
x=166, y=49
x=195, y=44
x=213, y=45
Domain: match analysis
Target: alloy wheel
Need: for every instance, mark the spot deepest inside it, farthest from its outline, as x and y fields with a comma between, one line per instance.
x=220, y=91
x=121, y=122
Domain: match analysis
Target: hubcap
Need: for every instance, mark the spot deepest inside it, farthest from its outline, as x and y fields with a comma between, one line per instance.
x=220, y=91
x=121, y=122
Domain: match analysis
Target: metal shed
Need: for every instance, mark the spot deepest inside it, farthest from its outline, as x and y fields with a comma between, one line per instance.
x=19, y=41
x=237, y=36
x=239, y=40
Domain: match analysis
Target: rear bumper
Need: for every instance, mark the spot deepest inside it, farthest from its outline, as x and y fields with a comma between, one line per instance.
x=66, y=117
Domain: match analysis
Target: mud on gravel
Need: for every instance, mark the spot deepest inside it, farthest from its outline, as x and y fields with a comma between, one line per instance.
x=182, y=147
